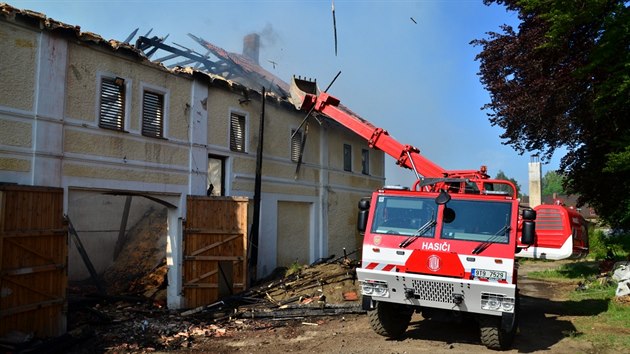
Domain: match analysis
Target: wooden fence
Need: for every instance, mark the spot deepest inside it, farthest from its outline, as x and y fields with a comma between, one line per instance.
x=215, y=248
x=33, y=261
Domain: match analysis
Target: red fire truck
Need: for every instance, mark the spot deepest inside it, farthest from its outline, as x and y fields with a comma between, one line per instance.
x=445, y=246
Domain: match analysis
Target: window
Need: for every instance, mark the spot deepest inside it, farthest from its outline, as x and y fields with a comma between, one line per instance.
x=478, y=221
x=347, y=157
x=237, y=132
x=296, y=145
x=112, y=103
x=365, y=161
x=216, y=176
x=153, y=114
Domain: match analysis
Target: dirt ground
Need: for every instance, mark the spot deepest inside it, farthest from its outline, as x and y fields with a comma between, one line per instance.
x=544, y=327
x=545, y=324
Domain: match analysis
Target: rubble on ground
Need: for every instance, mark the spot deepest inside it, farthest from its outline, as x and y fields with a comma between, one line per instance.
x=621, y=274
x=126, y=323
x=140, y=267
x=613, y=273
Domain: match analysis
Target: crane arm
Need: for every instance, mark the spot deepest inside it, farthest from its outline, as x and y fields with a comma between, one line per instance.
x=306, y=96
x=406, y=156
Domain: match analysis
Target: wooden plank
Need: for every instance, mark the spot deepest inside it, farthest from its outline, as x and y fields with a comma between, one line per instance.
x=35, y=233
x=31, y=270
x=202, y=285
x=216, y=244
x=203, y=276
x=31, y=307
x=29, y=250
x=86, y=258
x=211, y=232
x=30, y=288
x=213, y=258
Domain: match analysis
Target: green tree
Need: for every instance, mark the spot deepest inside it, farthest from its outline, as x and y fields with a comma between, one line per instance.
x=562, y=79
x=552, y=183
x=502, y=176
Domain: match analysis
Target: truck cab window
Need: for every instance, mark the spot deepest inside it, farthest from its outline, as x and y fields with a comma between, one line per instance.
x=403, y=216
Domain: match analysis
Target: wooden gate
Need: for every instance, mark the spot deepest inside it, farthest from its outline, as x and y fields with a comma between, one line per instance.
x=33, y=261
x=215, y=248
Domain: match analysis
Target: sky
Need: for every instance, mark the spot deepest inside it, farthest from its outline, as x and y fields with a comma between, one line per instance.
x=406, y=66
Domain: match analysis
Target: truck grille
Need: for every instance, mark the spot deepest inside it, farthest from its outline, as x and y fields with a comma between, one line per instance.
x=433, y=291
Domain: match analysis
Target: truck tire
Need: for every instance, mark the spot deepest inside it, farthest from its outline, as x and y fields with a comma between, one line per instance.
x=389, y=319
x=497, y=332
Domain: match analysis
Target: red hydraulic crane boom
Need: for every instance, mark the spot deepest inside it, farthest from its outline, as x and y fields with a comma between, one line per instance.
x=306, y=96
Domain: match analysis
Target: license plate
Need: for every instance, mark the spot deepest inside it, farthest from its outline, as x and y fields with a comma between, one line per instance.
x=489, y=274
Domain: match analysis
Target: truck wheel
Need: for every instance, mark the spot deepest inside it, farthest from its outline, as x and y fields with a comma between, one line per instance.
x=389, y=319
x=498, y=332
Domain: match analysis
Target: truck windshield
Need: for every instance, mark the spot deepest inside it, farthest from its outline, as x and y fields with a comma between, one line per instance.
x=479, y=221
x=404, y=216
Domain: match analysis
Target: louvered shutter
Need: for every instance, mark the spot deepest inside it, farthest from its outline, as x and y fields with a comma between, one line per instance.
x=296, y=143
x=152, y=114
x=112, y=105
x=237, y=132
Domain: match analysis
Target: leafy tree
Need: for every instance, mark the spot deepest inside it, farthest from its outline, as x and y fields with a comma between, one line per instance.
x=562, y=79
x=502, y=176
x=552, y=183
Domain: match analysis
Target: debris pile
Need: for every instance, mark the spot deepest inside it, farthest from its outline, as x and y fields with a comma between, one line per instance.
x=301, y=297
x=140, y=267
x=327, y=288
x=621, y=275
x=612, y=273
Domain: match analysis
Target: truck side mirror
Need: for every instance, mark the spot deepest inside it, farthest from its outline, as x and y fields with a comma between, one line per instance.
x=529, y=214
x=528, y=236
x=364, y=211
x=442, y=198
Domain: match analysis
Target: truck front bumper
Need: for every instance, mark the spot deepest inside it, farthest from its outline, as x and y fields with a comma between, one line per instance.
x=483, y=297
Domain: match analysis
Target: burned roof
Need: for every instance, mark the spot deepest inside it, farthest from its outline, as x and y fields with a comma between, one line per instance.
x=42, y=22
x=217, y=61
x=230, y=71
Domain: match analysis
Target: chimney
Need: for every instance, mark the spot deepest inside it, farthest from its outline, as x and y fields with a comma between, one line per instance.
x=251, y=47
x=535, y=182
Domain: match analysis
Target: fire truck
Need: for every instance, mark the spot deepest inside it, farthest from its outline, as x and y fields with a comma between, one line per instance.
x=445, y=246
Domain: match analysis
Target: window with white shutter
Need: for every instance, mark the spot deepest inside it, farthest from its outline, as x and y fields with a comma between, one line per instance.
x=112, y=103
x=153, y=114
x=296, y=144
x=237, y=132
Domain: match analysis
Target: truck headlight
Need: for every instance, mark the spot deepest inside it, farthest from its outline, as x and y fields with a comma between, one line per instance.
x=374, y=288
x=497, y=302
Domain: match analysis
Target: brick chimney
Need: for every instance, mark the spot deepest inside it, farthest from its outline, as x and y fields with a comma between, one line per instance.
x=251, y=47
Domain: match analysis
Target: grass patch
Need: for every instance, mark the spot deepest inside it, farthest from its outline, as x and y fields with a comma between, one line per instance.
x=597, y=317
x=294, y=268
x=609, y=329
x=569, y=271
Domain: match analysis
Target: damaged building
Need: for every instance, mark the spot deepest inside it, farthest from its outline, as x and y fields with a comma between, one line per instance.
x=154, y=170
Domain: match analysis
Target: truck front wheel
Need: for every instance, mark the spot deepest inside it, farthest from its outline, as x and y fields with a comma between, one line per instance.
x=497, y=332
x=390, y=319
